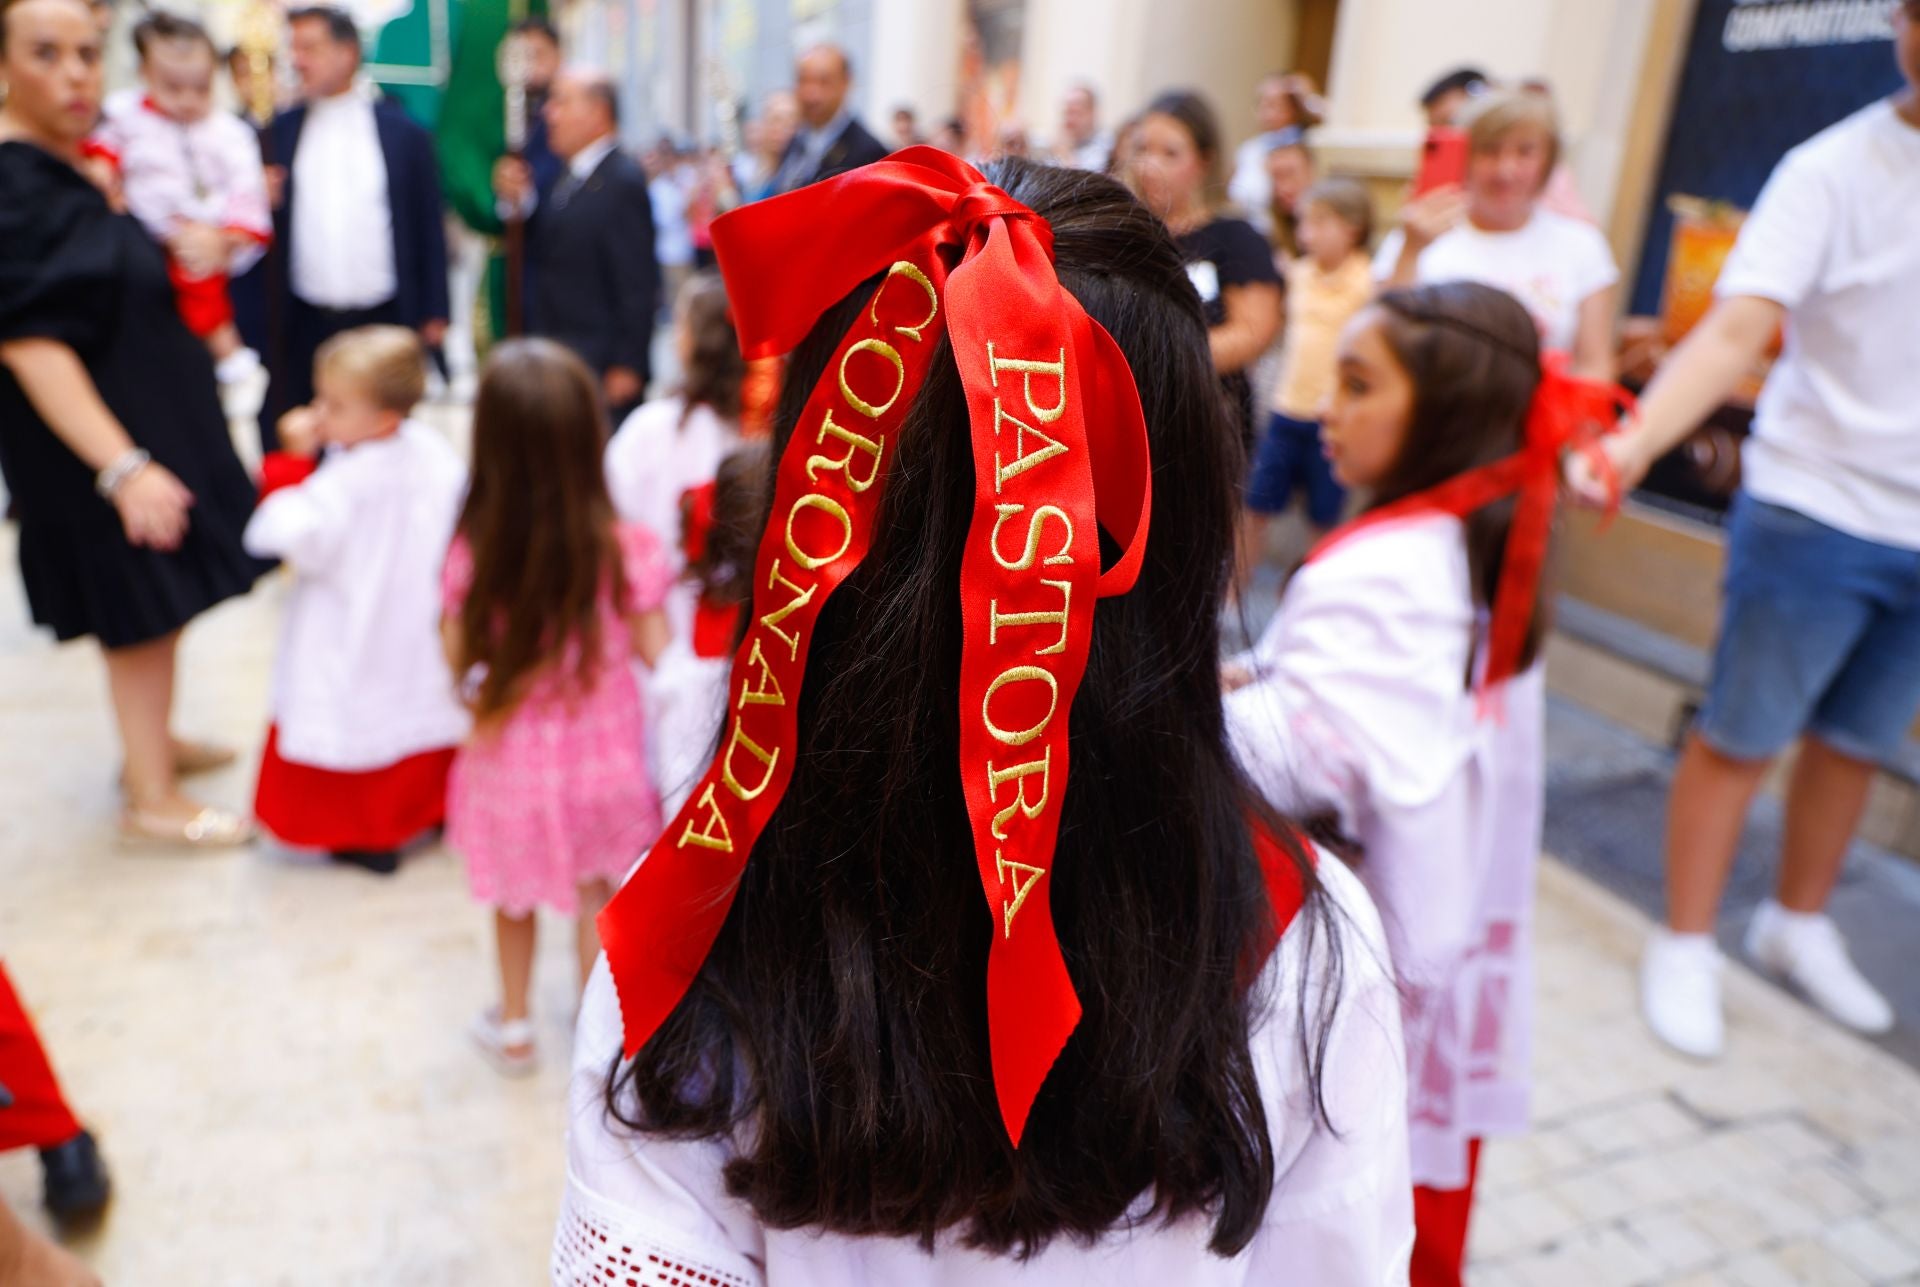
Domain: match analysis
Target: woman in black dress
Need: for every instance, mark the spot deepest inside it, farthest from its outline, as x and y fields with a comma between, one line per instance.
x=1173, y=164
x=129, y=495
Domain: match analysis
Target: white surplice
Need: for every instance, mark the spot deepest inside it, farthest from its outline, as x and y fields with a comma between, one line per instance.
x=361, y=681
x=1362, y=705
x=655, y=1211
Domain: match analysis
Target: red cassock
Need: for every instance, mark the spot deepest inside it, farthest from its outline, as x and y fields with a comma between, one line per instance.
x=39, y=1116
x=378, y=809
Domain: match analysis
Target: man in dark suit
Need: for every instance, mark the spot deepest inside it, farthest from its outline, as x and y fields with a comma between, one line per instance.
x=829, y=141
x=594, y=280
x=357, y=213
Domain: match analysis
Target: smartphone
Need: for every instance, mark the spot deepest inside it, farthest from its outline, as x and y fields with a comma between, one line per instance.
x=1443, y=160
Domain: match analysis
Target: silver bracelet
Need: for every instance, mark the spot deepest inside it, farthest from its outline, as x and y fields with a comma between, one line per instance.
x=110, y=480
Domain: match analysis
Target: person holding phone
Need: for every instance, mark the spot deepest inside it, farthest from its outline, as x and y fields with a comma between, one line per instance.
x=1493, y=227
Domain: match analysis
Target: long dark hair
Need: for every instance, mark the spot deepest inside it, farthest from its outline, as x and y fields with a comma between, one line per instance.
x=1473, y=353
x=724, y=567
x=539, y=522
x=715, y=370
x=837, y=1032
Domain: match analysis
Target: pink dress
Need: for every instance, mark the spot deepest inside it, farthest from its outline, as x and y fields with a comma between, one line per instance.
x=560, y=793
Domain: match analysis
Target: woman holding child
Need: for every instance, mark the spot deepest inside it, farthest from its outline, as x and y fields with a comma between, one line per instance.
x=130, y=499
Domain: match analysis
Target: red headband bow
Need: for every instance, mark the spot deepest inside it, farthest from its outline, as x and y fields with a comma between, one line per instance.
x=1567, y=414
x=1059, y=447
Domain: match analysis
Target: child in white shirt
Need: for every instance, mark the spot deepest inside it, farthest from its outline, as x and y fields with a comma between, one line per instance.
x=192, y=176
x=365, y=716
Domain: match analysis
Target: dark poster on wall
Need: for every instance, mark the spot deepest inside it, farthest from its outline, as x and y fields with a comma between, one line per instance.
x=1760, y=77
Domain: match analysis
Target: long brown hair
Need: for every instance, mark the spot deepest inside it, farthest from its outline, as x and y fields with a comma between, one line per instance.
x=538, y=520
x=715, y=370
x=1473, y=353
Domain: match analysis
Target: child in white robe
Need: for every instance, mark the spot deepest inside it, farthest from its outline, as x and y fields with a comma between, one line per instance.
x=361, y=503
x=1369, y=696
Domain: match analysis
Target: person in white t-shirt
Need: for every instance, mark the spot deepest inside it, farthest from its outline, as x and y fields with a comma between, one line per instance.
x=1820, y=632
x=1496, y=231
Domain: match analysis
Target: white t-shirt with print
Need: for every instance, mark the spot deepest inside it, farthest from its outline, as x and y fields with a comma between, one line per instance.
x=1835, y=238
x=1551, y=263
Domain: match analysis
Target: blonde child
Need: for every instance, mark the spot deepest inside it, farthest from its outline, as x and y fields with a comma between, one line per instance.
x=360, y=503
x=1327, y=283
x=192, y=175
x=546, y=597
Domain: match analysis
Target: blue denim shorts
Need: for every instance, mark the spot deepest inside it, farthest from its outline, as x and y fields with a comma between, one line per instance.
x=1819, y=634
x=1288, y=457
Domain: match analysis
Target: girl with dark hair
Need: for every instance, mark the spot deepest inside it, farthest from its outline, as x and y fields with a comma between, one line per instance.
x=672, y=445
x=546, y=596
x=719, y=532
x=1397, y=688
x=1174, y=166
x=1183, y=1066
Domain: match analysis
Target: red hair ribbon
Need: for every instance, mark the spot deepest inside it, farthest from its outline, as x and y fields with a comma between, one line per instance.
x=1568, y=414
x=696, y=520
x=1059, y=451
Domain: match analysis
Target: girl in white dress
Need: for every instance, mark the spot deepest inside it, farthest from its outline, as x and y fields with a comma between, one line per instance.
x=1383, y=692
x=826, y=1101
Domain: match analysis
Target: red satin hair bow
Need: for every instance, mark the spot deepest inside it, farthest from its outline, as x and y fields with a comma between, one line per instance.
x=1568, y=414
x=1059, y=451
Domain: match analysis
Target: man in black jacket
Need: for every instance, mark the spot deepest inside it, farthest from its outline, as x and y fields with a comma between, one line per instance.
x=357, y=215
x=594, y=278
x=829, y=141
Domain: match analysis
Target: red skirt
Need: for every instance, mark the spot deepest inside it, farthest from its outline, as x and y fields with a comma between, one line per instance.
x=376, y=810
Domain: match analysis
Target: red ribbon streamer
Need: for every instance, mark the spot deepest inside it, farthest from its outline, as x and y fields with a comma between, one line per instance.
x=1060, y=449
x=1567, y=414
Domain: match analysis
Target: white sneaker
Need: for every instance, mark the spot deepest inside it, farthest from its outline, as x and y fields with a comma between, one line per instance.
x=1805, y=949
x=1680, y=992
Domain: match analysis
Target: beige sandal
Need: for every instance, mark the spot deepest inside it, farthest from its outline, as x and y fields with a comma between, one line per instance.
x=208, y=829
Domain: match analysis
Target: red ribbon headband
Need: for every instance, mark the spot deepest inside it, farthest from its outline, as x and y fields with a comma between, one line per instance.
x=1567, y=414
x=1059, y=445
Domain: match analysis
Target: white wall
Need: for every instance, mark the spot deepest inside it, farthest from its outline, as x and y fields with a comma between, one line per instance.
x=1387, y=51
x=1130, y=50
x=915, y=59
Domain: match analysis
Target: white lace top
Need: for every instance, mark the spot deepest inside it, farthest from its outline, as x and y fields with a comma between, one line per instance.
x=647, y=1212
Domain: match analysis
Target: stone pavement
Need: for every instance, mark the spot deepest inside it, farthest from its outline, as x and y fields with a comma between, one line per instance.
x=273, y=1054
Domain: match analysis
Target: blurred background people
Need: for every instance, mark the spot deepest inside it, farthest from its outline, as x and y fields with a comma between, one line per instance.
x=828, y=140
x=1290, y=171
x=906, y=127
x=1173, y=166
x=359, y=216
x=590, y=241
x=1082, y=144
x=129, y=497
x=1496, y=231
x=1446, y=99
x=1282, y=102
